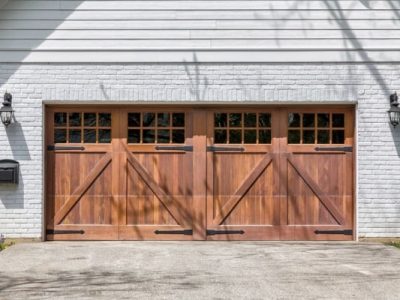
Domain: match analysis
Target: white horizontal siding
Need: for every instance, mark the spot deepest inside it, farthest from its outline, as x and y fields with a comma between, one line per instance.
x=221, y=30
x=200, y=44
x=201, y=4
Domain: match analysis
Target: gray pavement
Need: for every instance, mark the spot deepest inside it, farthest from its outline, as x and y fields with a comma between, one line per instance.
x=199, y=270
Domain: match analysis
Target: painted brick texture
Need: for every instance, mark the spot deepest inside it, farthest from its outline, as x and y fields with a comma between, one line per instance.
x=378, y=202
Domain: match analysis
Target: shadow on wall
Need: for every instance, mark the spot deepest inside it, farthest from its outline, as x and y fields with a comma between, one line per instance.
x=396, y=137
x=17, y=141
x=11, y=195
x=13, y=17
x=198, y=84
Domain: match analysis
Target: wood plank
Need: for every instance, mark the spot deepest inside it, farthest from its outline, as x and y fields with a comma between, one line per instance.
x=199, y=124
x=91, y=232
x=80, y=190
x=242, y=189
x=325, y=199
x=167, y=200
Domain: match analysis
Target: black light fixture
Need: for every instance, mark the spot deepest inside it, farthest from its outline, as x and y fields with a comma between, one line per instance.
x=6, y=112
x=394, y=111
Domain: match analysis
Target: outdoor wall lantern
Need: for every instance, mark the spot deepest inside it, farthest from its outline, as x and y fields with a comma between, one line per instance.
x=394, y=112
x=6, y=112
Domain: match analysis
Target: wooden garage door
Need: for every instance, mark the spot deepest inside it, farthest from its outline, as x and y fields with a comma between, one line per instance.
x=283, y=174
x=119, y=174
x=80, y=168
x=183, y=173
x=317, y=164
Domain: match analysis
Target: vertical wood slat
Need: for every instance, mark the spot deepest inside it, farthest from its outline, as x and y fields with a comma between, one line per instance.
x=199, y=121
x=118, y=201
x=78, y=192
x=241, y=190
x=286, y=233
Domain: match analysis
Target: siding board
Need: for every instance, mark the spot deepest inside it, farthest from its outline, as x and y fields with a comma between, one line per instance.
x=202, y=24
x=304, y=31
x=209, y=14
x=201, y=5
x=240, y=34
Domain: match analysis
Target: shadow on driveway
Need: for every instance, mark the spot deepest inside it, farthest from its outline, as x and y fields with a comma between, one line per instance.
x=199, y=270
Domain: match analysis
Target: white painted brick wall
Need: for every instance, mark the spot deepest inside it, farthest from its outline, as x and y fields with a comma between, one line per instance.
x=379, y=145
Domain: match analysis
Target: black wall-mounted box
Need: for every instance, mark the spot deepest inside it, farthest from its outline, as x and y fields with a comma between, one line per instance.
x=9, y=171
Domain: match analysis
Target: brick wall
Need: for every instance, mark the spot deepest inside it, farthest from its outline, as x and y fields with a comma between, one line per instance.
x=379, y=145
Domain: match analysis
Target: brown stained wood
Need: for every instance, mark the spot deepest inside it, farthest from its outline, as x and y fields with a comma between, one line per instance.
x=242, y=189
x=166, y=199
x=80, y=190
x=325, y=199
x=199, y=174
x=298, y=191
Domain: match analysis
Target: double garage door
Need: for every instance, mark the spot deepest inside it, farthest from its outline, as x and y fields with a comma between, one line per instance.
x=188, y=173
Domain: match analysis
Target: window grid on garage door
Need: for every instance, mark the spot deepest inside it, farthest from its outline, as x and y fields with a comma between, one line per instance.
x=242, y=128
x=156, y=127
x=82, y=127
x=316, y=128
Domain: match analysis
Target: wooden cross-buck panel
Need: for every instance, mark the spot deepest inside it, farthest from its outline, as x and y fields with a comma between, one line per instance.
x=181, y=173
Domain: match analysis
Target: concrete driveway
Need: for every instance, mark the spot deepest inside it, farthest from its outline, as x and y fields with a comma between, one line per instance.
x=199, y=270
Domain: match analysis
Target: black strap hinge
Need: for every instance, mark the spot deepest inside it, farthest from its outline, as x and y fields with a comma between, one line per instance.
x=172, y=148
x=343, y=149
x=345, y=232
x=215, y=232
x=54, y=231
x=184, y=232
x=52, y=148
x=230, y=149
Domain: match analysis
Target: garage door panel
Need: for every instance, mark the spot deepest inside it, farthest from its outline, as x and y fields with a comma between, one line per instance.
x=77, y=195
x=147, y=210
x=232, y=201
x=242, y=181
x=148, y=173
x=305, y=207
x=157, y=185
x=71, y=170
x=166, y=170
x=231, y=169
x=90, y=210
x=155, y=176
x=329, y=170
x=310, y=196
x=308, y=210
x=257, y=205
x=319, y=160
